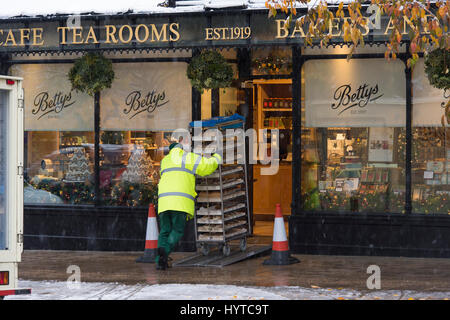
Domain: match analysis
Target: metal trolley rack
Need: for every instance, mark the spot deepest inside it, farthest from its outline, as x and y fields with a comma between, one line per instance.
x=222, y=209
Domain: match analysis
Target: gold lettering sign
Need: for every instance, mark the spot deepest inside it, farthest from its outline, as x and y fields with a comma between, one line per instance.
x=21, y=37
x=170, y=32
x=228, y=33
x=87, y=35
x=122, y=34
x=335, y=28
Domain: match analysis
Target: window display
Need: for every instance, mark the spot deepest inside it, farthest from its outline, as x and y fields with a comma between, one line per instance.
x=340, y=173
x=431, y=147
x=59, y=167
x=431, y=170
x=129, y=166
x=353, y=136
x=138, y=113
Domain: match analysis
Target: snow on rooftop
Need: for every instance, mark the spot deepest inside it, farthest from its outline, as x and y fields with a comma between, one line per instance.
x=31, y=8
x=50, y=7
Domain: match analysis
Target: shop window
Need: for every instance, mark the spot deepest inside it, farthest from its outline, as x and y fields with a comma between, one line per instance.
x=271, y=61
x=353, y=136
x=145, y=104
x=431, y=147
x=59, y=137
x=59, y=167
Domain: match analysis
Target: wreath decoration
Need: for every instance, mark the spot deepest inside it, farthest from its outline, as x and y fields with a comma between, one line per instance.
x=437, y=64
x=91, y=74
x=209, y=70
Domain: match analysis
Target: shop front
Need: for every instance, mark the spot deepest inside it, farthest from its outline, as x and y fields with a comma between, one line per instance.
x=362, y=159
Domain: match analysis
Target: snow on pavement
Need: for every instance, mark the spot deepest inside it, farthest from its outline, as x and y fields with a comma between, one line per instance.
x=60, y=290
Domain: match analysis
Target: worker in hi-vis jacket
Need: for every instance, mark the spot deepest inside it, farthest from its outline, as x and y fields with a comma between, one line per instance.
x=176, y=195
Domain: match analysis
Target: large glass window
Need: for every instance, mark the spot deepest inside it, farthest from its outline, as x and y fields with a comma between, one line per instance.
x=353, y=136
x=59, y=137
x=145, y=104
x=431, y=147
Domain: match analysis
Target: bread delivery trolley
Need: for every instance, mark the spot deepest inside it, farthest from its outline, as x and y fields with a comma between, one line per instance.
x=222, y=210
x=11, y=184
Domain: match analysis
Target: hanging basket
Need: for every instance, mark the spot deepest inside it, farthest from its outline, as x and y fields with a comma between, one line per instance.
x=209, y=70
x=91, y=74
x=437, y=68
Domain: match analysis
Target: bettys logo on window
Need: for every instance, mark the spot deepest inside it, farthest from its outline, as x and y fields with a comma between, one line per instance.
x=138, y=103
x=46, y=103
x=347, y=98
x=446, y=96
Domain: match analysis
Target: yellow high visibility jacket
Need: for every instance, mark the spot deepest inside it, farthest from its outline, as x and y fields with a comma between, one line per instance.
x=176, y=188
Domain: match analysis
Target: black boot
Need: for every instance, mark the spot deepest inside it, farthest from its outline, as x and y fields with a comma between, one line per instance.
x=163, y=259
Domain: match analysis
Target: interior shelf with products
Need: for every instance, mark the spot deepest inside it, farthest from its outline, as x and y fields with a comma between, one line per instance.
x=273, y=101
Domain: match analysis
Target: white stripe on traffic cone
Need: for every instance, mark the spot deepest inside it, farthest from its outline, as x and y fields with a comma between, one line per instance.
x=280, y=246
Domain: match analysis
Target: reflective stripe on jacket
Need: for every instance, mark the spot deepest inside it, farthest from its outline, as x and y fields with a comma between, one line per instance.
x=176, y=188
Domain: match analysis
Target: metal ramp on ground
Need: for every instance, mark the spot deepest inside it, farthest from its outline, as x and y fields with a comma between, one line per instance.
x=216, y=259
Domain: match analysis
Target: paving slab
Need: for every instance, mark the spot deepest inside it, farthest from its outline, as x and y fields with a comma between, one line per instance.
x=314, y=271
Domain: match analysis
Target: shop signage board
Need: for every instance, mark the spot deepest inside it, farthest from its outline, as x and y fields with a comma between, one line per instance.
x=147, y=96
x=354, y=93
x=50, y=102
x=428, y=101
x=172, y=31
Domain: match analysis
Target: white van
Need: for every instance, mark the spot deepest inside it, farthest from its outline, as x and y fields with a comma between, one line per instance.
x=11, y=184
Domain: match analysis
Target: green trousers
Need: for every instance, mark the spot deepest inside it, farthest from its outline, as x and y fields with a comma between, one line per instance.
x=172, y=225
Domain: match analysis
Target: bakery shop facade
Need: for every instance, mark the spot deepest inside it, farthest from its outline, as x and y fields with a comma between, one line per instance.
x=362, y=156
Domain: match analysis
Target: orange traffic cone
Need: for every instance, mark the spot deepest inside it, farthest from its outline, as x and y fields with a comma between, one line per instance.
x=151, y=238
x=280, y=247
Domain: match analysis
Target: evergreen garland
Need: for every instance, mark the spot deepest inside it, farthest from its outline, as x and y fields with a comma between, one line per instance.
x=273, y=64
x=209, y=70
x=134, y=194
x=91, y=73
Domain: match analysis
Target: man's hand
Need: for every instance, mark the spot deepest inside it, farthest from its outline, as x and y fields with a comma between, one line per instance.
x=218, y=157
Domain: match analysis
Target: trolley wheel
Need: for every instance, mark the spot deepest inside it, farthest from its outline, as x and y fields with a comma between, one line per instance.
x=243, y=244
x=226, y=249
x=204, y=248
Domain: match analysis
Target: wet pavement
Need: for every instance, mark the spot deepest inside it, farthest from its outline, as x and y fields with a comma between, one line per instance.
x=314, y=271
